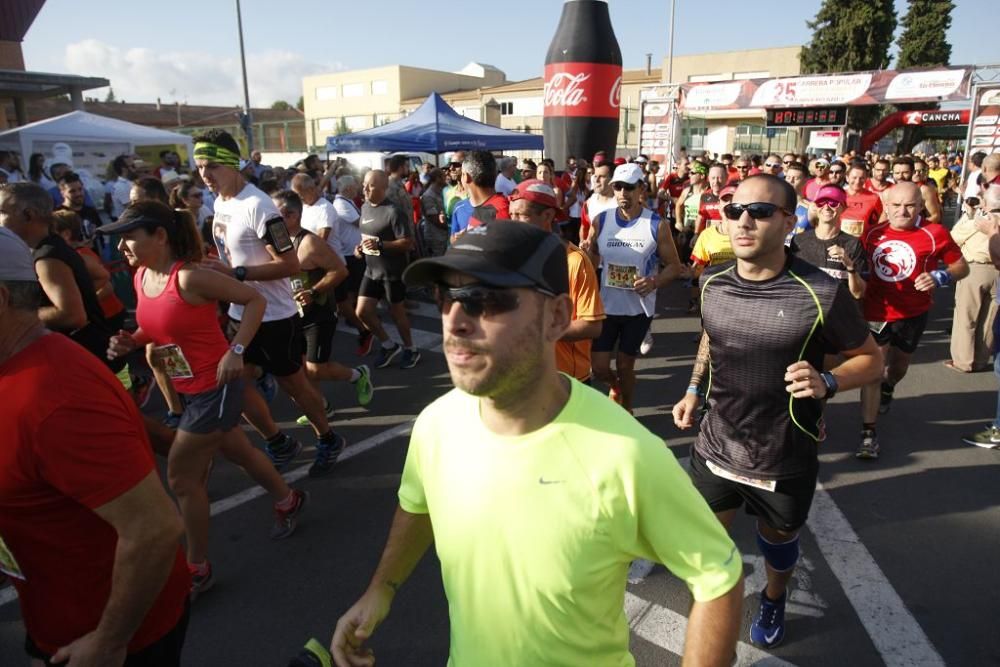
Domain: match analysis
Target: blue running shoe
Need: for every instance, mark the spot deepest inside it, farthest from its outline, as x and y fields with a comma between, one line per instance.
x=267, y=386
x=327, y=454
x=768, y=628
x=410, y=358
x=386, y=355
x=283, y=454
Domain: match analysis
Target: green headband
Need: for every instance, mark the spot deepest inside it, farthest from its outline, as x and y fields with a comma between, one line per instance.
x=204, y=150
x=696, y=167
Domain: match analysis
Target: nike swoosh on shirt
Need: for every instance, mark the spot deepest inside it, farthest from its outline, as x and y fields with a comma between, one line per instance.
x=542, y=480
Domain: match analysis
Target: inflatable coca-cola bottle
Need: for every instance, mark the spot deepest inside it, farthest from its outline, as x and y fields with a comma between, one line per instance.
x=583, y=80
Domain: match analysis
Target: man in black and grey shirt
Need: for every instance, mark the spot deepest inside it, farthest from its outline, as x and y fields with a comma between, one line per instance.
x=767, y=321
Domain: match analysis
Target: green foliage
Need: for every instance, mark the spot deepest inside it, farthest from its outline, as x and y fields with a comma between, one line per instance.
x=111, y=96
x=281, y=105
x=924, y=42
x=849, y=36
x=301, y=104
x=341, y=127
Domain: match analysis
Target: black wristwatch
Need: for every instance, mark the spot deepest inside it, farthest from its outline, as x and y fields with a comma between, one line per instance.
x=830, y=380
x=240, y=273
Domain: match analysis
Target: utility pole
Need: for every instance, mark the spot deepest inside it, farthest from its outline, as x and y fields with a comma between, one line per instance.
x=245, y=120
x=670, y=44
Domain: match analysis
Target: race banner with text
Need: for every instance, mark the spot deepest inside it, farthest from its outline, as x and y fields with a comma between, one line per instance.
x=659, y=125
x=853, y=89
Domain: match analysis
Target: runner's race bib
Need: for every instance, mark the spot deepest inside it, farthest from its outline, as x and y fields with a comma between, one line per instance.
x=763, y=484
x=365, y=237
x=174, y=362
x=620, y=277
x=876, y=327
x=852, y=227
x=8, y=564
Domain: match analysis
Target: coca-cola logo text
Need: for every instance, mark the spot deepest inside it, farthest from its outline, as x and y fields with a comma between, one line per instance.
x=565, y=90
x=616, y=93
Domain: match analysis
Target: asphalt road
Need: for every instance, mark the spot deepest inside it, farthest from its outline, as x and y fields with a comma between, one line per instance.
x=898, y=560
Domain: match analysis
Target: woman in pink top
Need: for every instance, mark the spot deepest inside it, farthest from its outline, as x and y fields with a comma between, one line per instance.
x=176, y=312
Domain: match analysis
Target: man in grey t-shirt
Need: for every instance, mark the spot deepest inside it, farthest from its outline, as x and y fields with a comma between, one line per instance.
x=386, y=240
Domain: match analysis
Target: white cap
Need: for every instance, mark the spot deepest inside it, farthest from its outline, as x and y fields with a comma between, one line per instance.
x=16, y=261
x=628, y=173
x=62, y=153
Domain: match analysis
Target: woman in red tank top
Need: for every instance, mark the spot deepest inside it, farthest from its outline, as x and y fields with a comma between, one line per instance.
x=176, y=312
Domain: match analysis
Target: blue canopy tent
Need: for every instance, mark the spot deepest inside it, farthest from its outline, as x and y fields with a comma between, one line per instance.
x=433, y=128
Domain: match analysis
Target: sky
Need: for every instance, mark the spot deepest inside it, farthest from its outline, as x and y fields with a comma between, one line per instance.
x=188, y=50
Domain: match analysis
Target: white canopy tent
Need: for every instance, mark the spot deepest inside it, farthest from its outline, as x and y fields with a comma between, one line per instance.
x=95, y=140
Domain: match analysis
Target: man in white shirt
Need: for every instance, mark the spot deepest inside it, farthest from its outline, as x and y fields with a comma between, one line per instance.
x=505, y=183
x=120, y=192
x=10, y=170
x=972, y=177
x=349, y=233
x=318, y=215
x=255, y=246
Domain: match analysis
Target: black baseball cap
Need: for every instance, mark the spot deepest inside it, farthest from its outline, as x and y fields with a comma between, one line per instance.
x=128, y=223
x=502, y=253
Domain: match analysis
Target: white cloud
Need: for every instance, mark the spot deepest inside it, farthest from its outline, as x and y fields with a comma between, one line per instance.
x=142, y=74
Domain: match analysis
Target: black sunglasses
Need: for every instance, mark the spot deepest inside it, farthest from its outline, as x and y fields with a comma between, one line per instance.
x=477, y=300
x=627, y=187
x=774, y=165
x=786, y=161
x=756, y=210
x=836, y=171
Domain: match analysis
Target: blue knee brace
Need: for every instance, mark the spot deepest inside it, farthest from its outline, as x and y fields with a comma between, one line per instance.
x=781, y=557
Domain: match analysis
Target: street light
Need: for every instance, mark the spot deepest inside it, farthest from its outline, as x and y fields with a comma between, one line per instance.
x=245, y=118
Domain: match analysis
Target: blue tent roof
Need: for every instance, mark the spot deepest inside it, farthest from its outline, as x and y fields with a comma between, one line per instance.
x=433, y=128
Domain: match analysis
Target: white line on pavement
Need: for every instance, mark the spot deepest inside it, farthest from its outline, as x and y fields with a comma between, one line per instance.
x=424, y=340
x=665, y=628
x=892, y=628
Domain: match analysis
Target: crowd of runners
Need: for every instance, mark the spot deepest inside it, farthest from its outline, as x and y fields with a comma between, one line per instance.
x=812, y=275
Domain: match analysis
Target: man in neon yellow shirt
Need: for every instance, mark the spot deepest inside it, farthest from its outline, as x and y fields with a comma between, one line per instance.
x=535, y=489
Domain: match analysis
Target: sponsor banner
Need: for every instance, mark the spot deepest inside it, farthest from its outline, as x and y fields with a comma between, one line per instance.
x=935, y=117
x=583, y=89
x=858, y=88
x=659, y=126
x=984, y=124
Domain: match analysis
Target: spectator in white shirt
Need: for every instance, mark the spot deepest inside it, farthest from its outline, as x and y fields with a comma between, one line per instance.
x=505, y=182
x=318, y=215
x=125, y=172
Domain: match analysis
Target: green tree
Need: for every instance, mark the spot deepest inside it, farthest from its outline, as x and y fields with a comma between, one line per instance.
x=923, y=43
x=110, y=96
x=850, y=36
x=342, y=127
x=281, y=105
x=301, y=104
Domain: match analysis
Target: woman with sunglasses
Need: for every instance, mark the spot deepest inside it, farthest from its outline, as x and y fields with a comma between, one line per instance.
x=176, y=312
x=189, y=196
x=830, y=249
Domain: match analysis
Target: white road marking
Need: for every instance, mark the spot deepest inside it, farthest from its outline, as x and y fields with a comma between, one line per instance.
x=893, y=630
x=427, y=341
x=665, y=628
x=803, y=600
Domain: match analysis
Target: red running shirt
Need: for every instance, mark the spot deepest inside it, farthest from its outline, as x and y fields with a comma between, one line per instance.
x=168, y=319
x=73, y=441
x=495, y=208
x=896, y=258
x=862, y=213
x=710, y=210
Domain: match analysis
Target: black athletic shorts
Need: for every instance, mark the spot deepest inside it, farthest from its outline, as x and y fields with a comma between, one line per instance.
x=351, y=284
x=784, y=509
x=901, y=334
x=318, y=335
x=218, y=409
x=277, y=347
x=164, y=652
x=625, y=330
x=394, y=291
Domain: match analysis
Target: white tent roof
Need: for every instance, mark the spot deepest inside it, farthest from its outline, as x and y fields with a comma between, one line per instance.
x=83, y=127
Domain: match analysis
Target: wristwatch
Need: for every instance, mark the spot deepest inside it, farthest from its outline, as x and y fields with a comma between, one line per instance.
x=831, y=384
x=237, y=349
x=240, y=273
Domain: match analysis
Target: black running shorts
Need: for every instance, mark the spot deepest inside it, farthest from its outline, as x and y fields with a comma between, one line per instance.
x=277, y=347
x=218, y=409
x=901, y=334
x=394, y=291
x=625, y=330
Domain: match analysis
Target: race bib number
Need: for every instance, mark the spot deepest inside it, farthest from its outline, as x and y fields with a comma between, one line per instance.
x=763, y=484
x=852, y=227
x=8, y=564
x=174, y=362
x=876, y=327
x=620, y=277
x=367, y=251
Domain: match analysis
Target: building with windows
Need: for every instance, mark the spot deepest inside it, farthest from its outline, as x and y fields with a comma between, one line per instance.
x=360, y=99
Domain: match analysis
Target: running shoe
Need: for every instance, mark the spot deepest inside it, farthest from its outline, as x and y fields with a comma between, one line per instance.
x=386, y=355
x=988, y=438
x=364, y=387
x=286, y=520
x=142, y=390
x=768, y=628
x=410, y=358
x=327, y=455
x=869, y=446
x=314, y=654
x=365, y=343
x=267, y=386
x=172, y=420
x=330, y=414
x=647, y=344
x=284, y=453
x=200, y=581
x=692, y=308
x=885, y=399
x=639, y=570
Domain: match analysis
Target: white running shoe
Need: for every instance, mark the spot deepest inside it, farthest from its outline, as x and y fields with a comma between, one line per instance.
x=647, y=344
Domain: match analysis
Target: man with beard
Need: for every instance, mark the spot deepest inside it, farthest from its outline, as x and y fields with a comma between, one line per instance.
x=74, y=199
x=535, y=489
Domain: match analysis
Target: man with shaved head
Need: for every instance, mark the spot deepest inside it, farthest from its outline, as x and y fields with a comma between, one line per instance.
x=386, y=240
x=904, y=256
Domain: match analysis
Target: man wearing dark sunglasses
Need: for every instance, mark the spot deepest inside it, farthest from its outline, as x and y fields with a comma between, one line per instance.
x=629, y=244
x=768, y=319
x=904, y=256
x=503, y=475
x=773, y=166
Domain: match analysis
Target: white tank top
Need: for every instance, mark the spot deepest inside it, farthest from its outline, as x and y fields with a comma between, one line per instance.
x=628, y=251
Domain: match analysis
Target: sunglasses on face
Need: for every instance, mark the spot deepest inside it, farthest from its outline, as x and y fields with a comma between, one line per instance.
x=836, y=171
x=627, y=187
x=786, y=161
x=774, y=165
x=477, y=300
x=756, y=210
x=827, y=203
